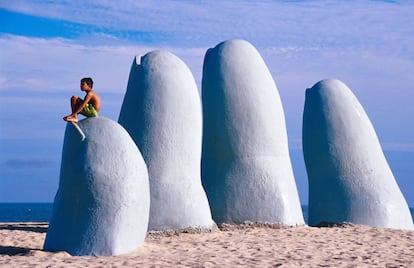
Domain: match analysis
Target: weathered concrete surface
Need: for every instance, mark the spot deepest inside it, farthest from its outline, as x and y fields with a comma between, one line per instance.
x=246, y=168
x=162, y=112
x=102, y=204
x=349, y=177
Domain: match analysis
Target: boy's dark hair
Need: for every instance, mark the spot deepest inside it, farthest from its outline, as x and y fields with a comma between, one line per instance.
x=88, y=81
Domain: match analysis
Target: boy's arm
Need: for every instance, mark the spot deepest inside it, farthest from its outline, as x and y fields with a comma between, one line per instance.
x=88, y=97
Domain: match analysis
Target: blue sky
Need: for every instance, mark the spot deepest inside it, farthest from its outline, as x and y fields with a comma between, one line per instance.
x=47, y=46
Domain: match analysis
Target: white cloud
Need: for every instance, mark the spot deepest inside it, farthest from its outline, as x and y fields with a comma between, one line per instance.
x=398, y=147
x=360, y=25
x=368, y=45
x=37, y=64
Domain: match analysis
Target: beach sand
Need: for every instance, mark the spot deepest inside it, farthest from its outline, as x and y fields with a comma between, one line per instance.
x=248, y=245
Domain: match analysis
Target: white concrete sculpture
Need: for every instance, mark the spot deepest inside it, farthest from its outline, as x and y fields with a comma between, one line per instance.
x=162, y=112
x=102, y=204
x=246, y=168
x=349, y=177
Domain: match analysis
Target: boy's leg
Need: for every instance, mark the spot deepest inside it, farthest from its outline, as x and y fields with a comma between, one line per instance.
x=75, y=102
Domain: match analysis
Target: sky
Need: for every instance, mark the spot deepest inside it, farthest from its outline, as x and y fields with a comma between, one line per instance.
x=47, y=46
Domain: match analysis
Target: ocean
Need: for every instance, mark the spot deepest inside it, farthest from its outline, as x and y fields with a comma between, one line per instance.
x=41, y=212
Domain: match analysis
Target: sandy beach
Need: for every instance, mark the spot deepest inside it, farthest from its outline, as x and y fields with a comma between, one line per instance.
x=249, y=245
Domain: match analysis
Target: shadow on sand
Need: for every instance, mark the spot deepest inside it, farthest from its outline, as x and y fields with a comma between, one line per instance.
x=12, y=251
x=37, y=227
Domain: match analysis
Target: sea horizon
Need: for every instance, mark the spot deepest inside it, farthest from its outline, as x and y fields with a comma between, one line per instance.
x=42, y=211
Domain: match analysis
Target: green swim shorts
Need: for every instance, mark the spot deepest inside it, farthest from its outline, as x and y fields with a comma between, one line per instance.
x=89, y=111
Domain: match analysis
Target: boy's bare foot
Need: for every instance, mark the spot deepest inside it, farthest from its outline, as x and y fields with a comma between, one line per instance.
x=71, y=118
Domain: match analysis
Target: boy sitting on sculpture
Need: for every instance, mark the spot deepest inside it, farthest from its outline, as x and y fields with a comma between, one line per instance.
x=89, y=106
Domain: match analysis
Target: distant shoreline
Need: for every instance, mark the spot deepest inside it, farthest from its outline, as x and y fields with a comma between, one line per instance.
x=41, y=212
